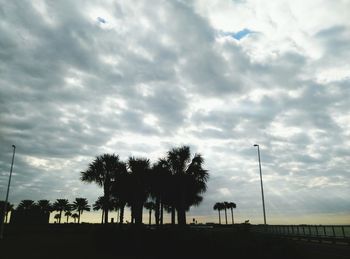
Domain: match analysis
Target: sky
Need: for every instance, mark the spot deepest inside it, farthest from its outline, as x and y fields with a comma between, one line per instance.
x=136, y=78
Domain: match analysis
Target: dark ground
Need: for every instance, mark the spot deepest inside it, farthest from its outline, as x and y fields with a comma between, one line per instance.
x=99, y=241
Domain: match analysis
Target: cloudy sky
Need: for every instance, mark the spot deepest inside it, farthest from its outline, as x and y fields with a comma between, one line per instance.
x=83, y=78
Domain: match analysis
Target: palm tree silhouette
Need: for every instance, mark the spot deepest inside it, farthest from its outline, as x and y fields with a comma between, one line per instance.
x=57, y=217
x=225, y=206
x=150, y=205
x=158, y=187
x=61, y=205
x=101, y=204
x=139, y=183
x=44, y=206
x=104, y=171
x=68, y=214
x=231, y=205
x=80, y=204
x=26, y=205
x=75, y=216
x=218, y=206
x=189, y=177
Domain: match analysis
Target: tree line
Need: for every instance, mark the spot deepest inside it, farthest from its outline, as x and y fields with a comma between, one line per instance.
x=173, y=184
x=219, y=206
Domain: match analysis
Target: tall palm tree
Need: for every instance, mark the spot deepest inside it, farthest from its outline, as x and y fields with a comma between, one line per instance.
x=103, y=171
x=189, y=177
x=139, y=189
x=80, y=205
x=61, y=205
x=225, y=207
x=44, y=206
x=218, y=207
x=26, y=205
x=150, y=205
x=75, y=216
x=231, y=205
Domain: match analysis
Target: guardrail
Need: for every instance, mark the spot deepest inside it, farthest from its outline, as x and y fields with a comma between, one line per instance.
x=320, y=233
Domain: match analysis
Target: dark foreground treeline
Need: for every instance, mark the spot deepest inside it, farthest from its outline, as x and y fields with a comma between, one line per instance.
x=113, y=241
x=172, y=184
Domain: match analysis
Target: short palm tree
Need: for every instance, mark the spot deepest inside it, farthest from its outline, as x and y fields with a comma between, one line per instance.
x=61, y=205
x=150, y=205
x=75, y=216
x=68, y=214
x=57, y=217
x=80, y=205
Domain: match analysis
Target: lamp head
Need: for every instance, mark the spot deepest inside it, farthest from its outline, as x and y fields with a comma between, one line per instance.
x=13, y=146
x=256, y=145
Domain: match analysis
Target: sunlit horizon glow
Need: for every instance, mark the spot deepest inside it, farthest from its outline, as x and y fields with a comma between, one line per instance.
x=82, y=79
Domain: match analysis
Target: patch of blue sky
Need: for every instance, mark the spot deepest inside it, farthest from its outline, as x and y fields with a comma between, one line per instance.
x=238, y=35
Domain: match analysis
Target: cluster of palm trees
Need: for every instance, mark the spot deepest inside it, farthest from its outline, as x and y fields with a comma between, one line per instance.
x=224, y=206
x=174, y=184
x=79, y=205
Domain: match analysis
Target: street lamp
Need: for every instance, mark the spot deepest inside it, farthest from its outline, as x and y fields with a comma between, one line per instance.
x=7, y=194
x=261, y=183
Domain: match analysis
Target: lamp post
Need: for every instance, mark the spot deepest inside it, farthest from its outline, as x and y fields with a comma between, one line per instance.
x=261, y=183
x=7, y=194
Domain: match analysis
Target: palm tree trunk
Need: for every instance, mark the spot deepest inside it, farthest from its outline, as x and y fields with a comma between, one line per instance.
x=138, y=213
x=233, y=222
x=59, y=221
x=106, y=216
x=150, y=217
x=161, y=213
x=121, y=215
x=219, y=217
x=173, y=215
x=67, y=218
x=103, y=214
x=117, y=218
x=78, y=216
x=157, y=212
x=181, y=212
x=226, y=216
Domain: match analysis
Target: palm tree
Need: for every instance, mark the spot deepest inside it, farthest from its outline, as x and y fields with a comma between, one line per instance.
x=150, y=206
x=139, y=180
x=100, y=204
x=68, y=214
x=61, y=205
x=103, y=171
x=218, y=207
x=189, y=177
x=225, y=207
x=57, y=217
x=26, y=205
x=75, y=216
x=80, y=204
x=44, y=206
x=231, y=205
x=159, y=188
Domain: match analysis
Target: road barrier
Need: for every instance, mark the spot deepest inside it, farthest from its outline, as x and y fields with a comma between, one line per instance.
x=337, y=234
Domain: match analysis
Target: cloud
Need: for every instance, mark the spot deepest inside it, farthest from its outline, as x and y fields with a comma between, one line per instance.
x=78, y=80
